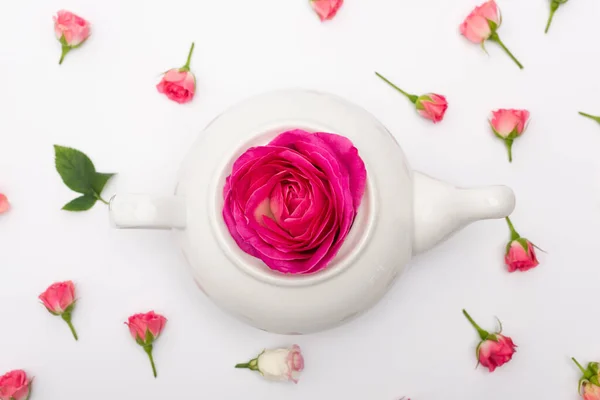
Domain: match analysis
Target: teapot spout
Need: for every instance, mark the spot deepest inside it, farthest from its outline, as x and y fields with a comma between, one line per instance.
x=441, y=209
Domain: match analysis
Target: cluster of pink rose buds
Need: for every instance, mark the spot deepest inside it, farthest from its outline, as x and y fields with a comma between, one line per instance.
x=59, y=299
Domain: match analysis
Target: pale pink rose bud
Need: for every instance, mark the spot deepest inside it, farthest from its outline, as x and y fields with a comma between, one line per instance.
x=179, y=84
x=520, y=252
x=71, y=31
x=4, y=204
x=431, y=106
x=59, y=300
x=278, y=364
x=495, y=349
x=15, y=386
x=482, y=24
x=589, y=385
x=508, y=124
x=326, y=9
x=145, y=329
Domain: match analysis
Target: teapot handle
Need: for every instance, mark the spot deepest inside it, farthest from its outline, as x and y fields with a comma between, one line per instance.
x=140, y=211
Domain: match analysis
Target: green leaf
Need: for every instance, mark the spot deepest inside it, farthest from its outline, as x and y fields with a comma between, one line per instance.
x=75, y=168
x=99, y=181
x=82, y=203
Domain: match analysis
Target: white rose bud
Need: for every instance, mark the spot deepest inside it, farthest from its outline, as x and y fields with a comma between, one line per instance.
x=278, y=364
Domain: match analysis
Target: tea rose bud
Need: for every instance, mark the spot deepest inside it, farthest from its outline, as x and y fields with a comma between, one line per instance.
x=278, y=364
x=589, y=385
x=520, y=252
x=431, y=106
x=592, y=117
x=179, y=84
x=554, y=4
x=326, y=9
x=59, y=300
x=4, y=204
x=508, y=124
x=71, y=31
x=15, y=386
x=482, y=24
x=145, y=329
x=495, y=349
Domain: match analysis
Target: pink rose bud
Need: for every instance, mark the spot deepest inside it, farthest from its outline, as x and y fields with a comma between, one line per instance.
x=509, y=124
x=554, y=4
x=145, y=329
x=278, y=364
x=15, y=386
x=482, y=24
x=520, y=252
x=179, y=84
x=589, y=385
x=59, y=300
x=593, y=117
x=326, y=9
x=495, y=349
x=431, y=106
x=4, y=204
x=71, y=31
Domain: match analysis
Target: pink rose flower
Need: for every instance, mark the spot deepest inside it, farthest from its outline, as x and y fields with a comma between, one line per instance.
x=59, y=300
x=326, y=9
x=15, y=386
x=590, y=392
x=509, y=124
x=179, y=84
x=589, y=384
x=4, y=204
x=431, y=106
x=495, y=353
x=71, y=31
x=482, y=24
x=495, y=349
x=278, y=364
x=292, y=202
x=520, y=252
x=145, y=329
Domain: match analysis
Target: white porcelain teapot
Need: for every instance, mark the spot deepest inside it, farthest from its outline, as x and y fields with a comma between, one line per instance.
x=402, y=213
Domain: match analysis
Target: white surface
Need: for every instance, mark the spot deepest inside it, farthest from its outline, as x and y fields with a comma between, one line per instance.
x=415, y=342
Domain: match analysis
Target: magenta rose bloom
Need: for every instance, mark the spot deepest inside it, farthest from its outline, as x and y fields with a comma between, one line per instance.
x=292, y=202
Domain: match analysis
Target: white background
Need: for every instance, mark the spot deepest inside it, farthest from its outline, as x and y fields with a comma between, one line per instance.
x=102, y=100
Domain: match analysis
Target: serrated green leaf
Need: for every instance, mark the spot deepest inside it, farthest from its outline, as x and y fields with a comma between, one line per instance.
x=99, y=181
x=82, y=203
x=75, y=168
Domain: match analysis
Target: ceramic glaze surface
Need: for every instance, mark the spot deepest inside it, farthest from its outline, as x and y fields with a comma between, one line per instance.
x=383, y=238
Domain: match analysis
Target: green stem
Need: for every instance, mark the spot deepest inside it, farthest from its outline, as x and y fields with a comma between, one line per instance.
x=509, y=144
x=411, y=97
x=482, y=334
x=553, y=8
x=583, y=371
x=597, y=119
x=65, y=50
x=243, y=365
x=496, y=39
x=186, y=67
x=513, y=232
x=148, y=350
x=67, y=318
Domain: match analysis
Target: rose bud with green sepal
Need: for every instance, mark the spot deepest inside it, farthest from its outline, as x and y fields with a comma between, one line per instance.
x=430, y=106
x=520, y=252
x=495, y=349
x=589, y=385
